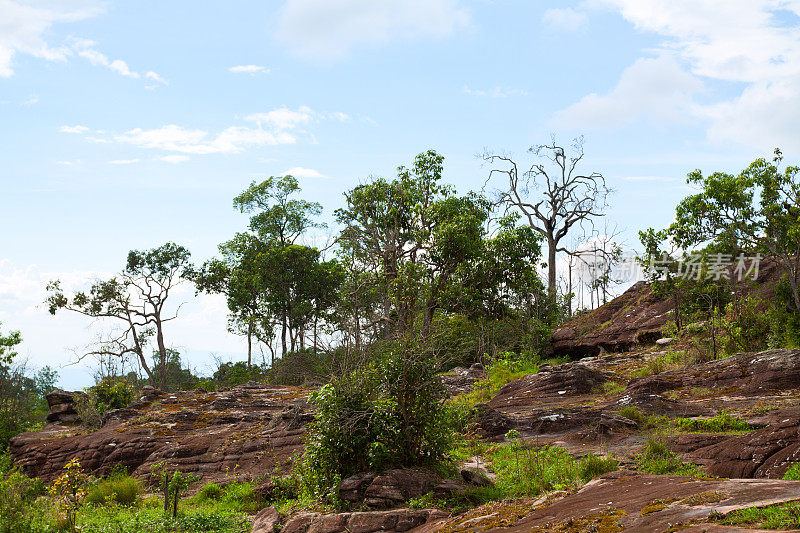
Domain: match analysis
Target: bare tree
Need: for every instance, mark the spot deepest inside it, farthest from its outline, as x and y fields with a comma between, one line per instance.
x=568, y=197
x=134, y=301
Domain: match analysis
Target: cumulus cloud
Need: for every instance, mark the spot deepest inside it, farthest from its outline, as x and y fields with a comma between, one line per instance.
x=328, y=30
x=73, y=129
x=23, y=26
x=300, y=172
x=568, y=19
x=275, y=127
x=655, y=88
x=751, y=47
x=249, y=69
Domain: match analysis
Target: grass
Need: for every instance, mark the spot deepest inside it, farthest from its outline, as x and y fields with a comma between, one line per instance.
x=780, y=516
x=500, y=372
x=657, y=458
x=529, y=471
x=793, y=473
x=723, y=422
x=119, y=488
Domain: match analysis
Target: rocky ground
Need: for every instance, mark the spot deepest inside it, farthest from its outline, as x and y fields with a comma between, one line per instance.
x=581, y=406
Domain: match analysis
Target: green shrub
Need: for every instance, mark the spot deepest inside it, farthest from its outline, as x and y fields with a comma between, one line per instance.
x=720, y=423
x=657, y=458
x=118, y=487
x=211, y=491
x=593, y=465
x=780, y=516
x=18, y=492
x=388, y=413
x=793, y=473
x=112, y=393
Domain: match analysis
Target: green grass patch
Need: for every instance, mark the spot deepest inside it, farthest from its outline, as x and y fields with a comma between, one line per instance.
x=236, y=497
x=119, y=488
x=505, y=369
x=793, y=473
x=780, y=516
x=657, y=458
x=722, y=423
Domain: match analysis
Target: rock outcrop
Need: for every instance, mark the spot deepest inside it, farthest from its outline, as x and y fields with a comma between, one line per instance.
x=362, y=522
x=244, y=431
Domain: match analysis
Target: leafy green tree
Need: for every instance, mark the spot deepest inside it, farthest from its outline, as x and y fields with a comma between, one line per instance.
x=135, y=301
x=755, y=211
x=22, y=402
x=241, y=275
x=410, y=235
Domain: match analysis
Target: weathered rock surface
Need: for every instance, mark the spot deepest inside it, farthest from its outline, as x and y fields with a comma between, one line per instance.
x=266, y=520
x=460, y=379
x=636, y=317
x=636, y=502
x=391, y=488
x=763, y=453
x=746, y=373
x=248, y=430
x=565, y=380
x=362, y=522
x=62, y=406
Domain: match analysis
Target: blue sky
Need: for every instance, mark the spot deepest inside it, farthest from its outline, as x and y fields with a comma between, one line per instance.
x=127, y=124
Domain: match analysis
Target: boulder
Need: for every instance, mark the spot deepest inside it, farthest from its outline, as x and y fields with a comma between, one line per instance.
x=266, y=520
x=460, y=379
x=562, y=381
x=62, y=406
x=395, y=520
x=397, y=486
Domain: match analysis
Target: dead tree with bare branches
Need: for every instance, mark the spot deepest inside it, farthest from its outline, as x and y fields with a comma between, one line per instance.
x=552, y=195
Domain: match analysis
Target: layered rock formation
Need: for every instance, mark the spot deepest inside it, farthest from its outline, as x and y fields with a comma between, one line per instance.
x=248, y=430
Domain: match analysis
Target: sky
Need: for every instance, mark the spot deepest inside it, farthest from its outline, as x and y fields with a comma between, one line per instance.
x=124, y=125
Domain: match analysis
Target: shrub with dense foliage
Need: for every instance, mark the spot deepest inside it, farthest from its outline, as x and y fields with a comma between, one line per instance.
x=388, y=413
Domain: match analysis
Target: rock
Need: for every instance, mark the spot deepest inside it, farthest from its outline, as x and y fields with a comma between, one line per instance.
x=563, y=381
x=449, y=487
x=763, y=453
x=632, y=501
x=476, y=477
x=352, y=489
x=663, y=341
x=492, y=424
x=395, y=520
x=460, y=379
x=62, y=406
x=746, y=373
x=637, y=317
x=396, y=486
x=655, y=404
x=247, y=430
x=266, y=520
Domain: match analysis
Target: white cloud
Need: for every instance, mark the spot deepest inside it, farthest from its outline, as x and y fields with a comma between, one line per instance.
x=31, y=100
x=174, y=158
x=87, y=50
x=271, y=128
x=496, y=92
x=300, y=172
x=249, y=69
x=751, y=42
x=123, y=161
x=23, y=26
x=656, y=88
x=328, y=30
x=73, y=129
x=565, y=19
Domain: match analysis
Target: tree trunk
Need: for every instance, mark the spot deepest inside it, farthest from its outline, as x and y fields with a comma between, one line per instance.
x=283, y=335
x=249, y=344
x=162, y=355
x=551, y=267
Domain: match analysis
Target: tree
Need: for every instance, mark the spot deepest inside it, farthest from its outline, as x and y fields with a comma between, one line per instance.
x=755, y=211
x=411, y=234
x=278, y=222
x=568, y=196
x=134, y=301
x=22, y=403
x=241, y=276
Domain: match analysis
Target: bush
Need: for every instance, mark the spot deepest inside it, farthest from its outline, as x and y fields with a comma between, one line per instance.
x=387, y=414
x=87, y=410
x=211, y=491
x=112, y=393
x=17, y=495
x=300, y=367
x=119, y=488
